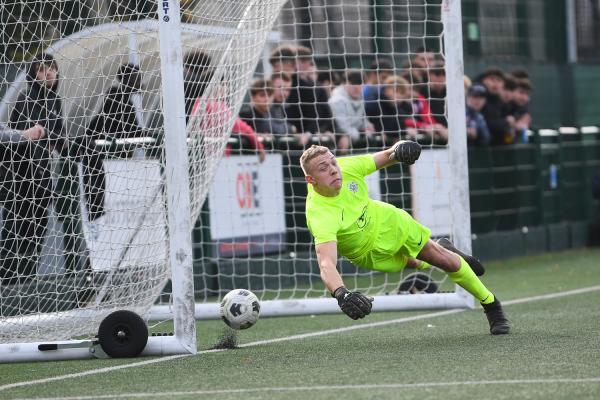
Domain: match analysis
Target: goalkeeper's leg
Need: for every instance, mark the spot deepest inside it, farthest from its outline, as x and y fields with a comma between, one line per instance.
x=473, y=262
x=461, y=273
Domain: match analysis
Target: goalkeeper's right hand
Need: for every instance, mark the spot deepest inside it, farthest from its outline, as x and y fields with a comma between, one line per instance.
x=354, y=304
x=405, y=151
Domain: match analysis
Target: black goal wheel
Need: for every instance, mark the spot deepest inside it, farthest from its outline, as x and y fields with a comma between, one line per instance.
x=418, y=283
x=123, y=334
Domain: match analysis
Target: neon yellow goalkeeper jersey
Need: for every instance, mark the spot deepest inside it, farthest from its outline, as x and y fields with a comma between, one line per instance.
x=350, y=218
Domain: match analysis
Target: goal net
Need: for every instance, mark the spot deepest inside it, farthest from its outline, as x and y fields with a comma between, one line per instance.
x=138, y=113
x=90, y=103
x=252, y=232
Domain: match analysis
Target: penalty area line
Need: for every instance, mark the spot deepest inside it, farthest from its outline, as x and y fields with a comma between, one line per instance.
x=290, y=338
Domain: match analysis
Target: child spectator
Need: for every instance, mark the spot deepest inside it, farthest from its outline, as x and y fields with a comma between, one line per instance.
x=389, y=108
x=478, y=133
x=281, y=83
x=257, y=113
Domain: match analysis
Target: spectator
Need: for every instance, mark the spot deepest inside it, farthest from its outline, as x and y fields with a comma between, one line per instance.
x=414, y=76
x=211, y=121
x=423, y=122
x=348, y=108
x=521, y=98
x=389, y=108
x=307, y=106
x=197, y=72
x=25, y=212
x=280, y=126
x=493, y=80
x=419, y=66
x=328, y=80
x=257, y=113
x=425, y=58
x=478, y=133
x=437, y=93
x=118, y=117
x=506, y=95
x=283, y=59
x=379, y=70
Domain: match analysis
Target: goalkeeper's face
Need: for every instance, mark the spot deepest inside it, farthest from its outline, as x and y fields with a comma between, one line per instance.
x=324, y=174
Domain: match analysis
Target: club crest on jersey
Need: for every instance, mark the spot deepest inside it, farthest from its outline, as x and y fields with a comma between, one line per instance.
x=353, y=187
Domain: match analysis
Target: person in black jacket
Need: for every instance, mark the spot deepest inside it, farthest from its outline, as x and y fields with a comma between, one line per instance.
x=118, y=117
x=493, y=111
x=25, y=213
x=307, y=106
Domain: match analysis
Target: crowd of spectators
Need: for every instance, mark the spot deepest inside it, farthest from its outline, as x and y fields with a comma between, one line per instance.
x=350, y=108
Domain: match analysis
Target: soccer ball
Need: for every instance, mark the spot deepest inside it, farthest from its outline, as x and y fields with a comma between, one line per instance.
x=240, y=309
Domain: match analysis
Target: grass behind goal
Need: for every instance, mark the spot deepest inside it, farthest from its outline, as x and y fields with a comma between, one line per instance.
x=551, y=354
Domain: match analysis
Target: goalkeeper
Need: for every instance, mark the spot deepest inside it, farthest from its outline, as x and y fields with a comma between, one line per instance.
x=376, y=235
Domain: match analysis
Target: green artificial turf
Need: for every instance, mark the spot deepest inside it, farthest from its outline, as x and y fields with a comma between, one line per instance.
x=554, y=347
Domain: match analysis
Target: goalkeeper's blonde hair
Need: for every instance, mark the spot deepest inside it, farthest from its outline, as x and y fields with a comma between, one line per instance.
x=310, y=153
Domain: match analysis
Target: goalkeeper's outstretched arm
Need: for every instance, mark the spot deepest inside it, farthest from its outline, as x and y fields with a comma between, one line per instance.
x=404, y=151
x=354, y=304
x=327, y=259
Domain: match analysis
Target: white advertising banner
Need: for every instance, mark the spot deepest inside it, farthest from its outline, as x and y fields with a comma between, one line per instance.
x=134, y=223
x=431, y=191
x=247, y=206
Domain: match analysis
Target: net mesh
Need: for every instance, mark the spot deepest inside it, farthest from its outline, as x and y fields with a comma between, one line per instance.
x=84, y=216
x=253, y=232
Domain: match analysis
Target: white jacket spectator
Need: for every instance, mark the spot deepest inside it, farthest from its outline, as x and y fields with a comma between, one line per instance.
x=349, y=112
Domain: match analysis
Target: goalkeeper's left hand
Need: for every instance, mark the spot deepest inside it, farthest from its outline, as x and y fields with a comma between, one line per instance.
x=405, y=151
x=354, y=304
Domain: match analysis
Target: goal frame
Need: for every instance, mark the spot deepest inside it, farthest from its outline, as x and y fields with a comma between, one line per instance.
x=459, y=201
x=183, y=311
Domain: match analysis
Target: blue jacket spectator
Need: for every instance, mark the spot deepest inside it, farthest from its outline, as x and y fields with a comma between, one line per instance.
x=478, y=133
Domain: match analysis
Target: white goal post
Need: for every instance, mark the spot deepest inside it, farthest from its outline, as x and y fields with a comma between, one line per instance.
x=128, y=203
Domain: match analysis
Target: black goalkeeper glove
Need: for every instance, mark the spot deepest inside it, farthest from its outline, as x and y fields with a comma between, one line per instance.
x=406, y=152
x=354, y=304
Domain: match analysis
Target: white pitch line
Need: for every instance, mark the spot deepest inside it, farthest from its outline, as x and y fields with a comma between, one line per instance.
x=293, y=337
x=330, y=387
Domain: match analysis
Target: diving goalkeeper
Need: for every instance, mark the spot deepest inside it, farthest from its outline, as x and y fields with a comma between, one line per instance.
x=376, y=235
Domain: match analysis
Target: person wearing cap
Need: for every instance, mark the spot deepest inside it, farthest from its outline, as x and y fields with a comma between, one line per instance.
x=478, y=133
x=492, y=111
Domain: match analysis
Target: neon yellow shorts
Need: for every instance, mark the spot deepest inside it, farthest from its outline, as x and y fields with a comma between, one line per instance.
x=399, y=237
